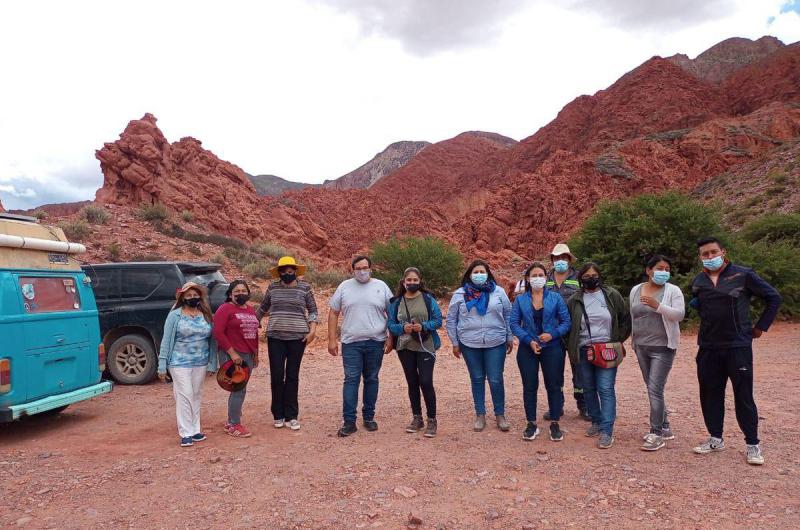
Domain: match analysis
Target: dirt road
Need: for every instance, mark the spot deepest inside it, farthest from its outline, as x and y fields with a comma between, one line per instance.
x=115, y=461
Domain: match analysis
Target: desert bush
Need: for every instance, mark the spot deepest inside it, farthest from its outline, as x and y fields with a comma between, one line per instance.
x=148, y=257
x=114, y=250
x=257, y=269
x=773, y=228
x=324, y=278
x=76, y=230
x=439, y=262
x=40, y=215
x=96, y=215
x=187, y=216
x=270, y=250
x=153, y=212
x=775, y=261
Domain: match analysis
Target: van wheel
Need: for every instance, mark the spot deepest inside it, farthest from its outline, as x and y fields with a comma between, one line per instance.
x=132, y=360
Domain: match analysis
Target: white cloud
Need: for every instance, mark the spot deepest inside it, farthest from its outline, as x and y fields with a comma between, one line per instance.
x=12, y=190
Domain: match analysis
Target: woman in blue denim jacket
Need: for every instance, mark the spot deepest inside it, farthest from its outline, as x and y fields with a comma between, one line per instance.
x=539, y=319
x=477, y=324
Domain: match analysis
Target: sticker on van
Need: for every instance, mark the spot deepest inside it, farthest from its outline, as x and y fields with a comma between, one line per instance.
x=28, y=292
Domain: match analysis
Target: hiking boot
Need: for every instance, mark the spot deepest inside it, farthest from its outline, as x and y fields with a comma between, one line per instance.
x=480, y=423
x=371, y=425
x=430, y=431
x=555, y=432
x=667, y=434
x=593, y=430
x=531, y=432
x=754, y=455
x=605, y=441
x=502, y=423
x=293, y=424
x=653, y=442
x=416, y=424
x=347, y=429
x=711, y=446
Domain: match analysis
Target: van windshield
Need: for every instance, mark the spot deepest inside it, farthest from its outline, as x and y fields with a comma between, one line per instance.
x=49, y=294
x=205, y=278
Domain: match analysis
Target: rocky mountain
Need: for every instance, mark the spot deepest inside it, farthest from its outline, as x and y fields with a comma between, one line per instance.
x=390, y=159
x=723, y=59
x=273, y=185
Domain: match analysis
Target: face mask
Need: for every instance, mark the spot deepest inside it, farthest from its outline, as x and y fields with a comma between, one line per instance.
x=538, y=283
x=192, y=302
x=660, y=277
x=479, y=278
x=288, y=277
x=362, y=276
x=241, y=299
x=412, y=287
x=713, y=263
x=591, y=283
x=561, y=265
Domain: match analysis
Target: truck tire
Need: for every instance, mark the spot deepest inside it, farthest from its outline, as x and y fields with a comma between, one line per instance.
x=132, y=360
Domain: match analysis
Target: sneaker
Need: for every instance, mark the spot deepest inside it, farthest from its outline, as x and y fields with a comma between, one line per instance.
x=226, y=426
x=294, y=424
x=371, y=425
x=531, y=432
x=430, y=430
x=502, y=423
x=187, y=442
x=480, y=423
x=754, y=455
x=711, y=446
x=605, y=441
x=278, y=424
x=555, y=432
x=239, y=431
x=416, y=424
x=653, y=442
x=667, y=434
x=347, y=429
x=593, y=430
x=199, y=437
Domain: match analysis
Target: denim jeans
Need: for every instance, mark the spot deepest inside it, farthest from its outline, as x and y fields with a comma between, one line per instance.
x=598, y=389
x=552, y=362
x=362, y=358
x=483, y=364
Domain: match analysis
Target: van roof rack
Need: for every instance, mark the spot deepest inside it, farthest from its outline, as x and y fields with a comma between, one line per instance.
x=17, y=217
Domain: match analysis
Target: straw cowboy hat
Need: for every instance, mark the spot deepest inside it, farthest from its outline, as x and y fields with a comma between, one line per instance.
x=287, y=261
x=561, y=248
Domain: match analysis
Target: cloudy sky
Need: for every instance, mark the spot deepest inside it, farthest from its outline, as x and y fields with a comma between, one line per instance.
x=311, y=89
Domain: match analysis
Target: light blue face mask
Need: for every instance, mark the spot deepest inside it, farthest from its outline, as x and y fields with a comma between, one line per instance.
x=479, y=278
x=660, y=277
x=561, y=265
x=713, y=263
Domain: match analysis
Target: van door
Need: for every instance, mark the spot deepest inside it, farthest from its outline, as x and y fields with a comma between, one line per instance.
x=56, y=334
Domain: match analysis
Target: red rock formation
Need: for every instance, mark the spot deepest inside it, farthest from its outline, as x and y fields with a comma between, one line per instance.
x=774, y=78
x=723, y=59
x=1, y=207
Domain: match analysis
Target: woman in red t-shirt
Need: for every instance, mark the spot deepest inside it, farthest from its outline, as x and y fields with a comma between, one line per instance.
x=236, y=332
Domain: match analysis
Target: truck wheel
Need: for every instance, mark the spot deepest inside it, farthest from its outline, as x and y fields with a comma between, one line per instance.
x=132, y=360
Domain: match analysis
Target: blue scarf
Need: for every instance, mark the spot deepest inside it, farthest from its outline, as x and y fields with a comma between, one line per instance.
x=478, y=296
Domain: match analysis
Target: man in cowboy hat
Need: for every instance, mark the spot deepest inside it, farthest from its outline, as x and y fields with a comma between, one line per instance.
x=563, y=279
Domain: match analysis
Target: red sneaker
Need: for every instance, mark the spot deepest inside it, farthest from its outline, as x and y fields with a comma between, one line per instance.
x=239, y=431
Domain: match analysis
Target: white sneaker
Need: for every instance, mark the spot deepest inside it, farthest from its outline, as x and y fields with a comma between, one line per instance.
x=711, y=446
x=279, y=423
x=294, y=425
x=754, y=455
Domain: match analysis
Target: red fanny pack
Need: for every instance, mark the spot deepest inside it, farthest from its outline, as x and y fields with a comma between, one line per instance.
x=602, y=354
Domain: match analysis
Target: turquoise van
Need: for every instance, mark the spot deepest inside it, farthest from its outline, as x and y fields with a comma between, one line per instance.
x=51, y=354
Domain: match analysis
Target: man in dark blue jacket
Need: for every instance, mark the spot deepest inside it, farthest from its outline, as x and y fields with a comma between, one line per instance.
x=722, y=295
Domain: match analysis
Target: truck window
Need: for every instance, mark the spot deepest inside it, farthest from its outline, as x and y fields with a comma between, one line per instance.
x=140, y=283
x=205, y=278
x=49, y=294
x=105, y=282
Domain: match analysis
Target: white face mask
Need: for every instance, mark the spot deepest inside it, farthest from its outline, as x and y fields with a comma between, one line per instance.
x=362, y=276
x=538, y=282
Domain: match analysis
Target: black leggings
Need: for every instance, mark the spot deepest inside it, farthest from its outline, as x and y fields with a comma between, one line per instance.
x=284, y=370
x=418, y=367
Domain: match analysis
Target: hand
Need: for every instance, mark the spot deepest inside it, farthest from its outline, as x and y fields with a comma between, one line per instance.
x=163, y=377
x=757, y=333
x=308, y=339
x=388, y=346
x=649, y=301
x=545, y=337
x=408, y=328
x=457, y=352
x=536, y=347
x=235, y=357
x=509, y=347
x=333, y=348
x=417, y=328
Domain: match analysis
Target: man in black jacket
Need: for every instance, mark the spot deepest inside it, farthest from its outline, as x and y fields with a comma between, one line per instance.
x=722, y=295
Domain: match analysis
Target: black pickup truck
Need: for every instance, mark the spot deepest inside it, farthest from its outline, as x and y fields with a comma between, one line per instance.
x=133, y=300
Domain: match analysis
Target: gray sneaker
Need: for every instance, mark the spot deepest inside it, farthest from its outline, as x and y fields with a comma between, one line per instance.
x=667, y=434
x=711, y=446
x=502, y=423
x=605, y=441
x=480, y=423
x=430, y=431
x=652, y=442
x=593, y=430
x=416, y=424
x=754, y=455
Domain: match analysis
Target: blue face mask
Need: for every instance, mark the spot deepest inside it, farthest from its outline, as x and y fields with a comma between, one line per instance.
x=561, y=265
x=479, y=278
x=660, y=277
x=713, y=263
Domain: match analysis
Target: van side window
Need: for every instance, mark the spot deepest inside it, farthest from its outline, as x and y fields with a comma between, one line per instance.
x=140, y=283
x=48, y=295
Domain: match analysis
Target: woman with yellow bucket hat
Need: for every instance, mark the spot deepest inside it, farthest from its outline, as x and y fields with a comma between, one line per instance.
x=292, y=310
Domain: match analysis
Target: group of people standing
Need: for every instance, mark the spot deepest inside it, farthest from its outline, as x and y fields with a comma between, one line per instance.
x=558, y=312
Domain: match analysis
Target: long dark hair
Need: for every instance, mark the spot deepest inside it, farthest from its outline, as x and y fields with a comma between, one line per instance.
x=534, y=265
x=589, y=265
x=466, y=278
x=232, y=286
x=401, y=287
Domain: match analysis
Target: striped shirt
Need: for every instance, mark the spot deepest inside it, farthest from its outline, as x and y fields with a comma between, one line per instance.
x=290, y=309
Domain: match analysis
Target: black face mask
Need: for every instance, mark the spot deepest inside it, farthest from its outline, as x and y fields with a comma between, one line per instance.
x=192, y=302
x=591, y=283
x=241, y=299
x=412, y=287
x=288, y=277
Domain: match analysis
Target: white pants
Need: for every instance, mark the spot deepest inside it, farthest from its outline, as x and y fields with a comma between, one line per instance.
x=187, y=385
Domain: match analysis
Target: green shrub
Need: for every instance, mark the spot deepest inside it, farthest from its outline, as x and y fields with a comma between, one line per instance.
x=219, y=258
x=96, y=215
x=270, y=250
x=773, y=228
x=187, y=216
x=779, y=177
x=439, y=262
x=776, y=262
x=153, y=212
x=76, y=230
x=40, y=215
x=324, y=278
x=257, y=269
x=114, y=251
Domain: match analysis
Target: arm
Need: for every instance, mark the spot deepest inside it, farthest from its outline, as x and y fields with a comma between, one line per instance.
x=219, y=325
x=515, y=319
x=564, y=320
x=263, y=308
x=451, y=323
x=394, y=325
x=676, y=309
x=213, y=358
x=436, y=317
x=311, y=308
x=506, y=315
x=765, y=291
x=333, y=324
x=166, y=341
x=623, y=317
